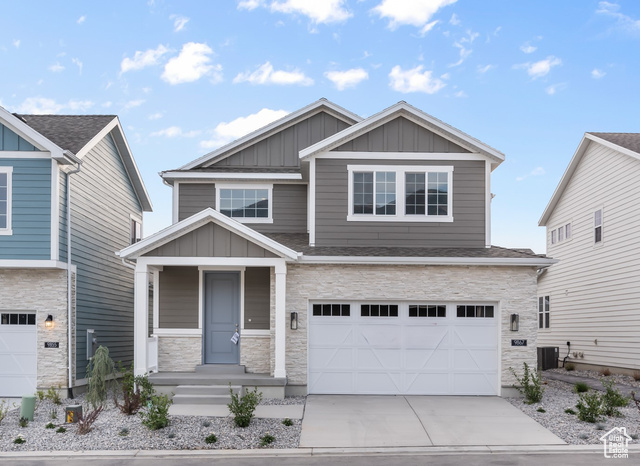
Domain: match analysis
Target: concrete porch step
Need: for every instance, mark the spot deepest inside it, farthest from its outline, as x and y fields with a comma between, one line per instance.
x=201, y=399
x=220, y=369
x=199, y=378
x=207, y=390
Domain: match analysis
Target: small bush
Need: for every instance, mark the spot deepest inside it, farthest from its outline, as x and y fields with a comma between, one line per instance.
x=605, y=372
x=124, y=432
x=612, y=399
x=206, y=423
x=53, y=395
x=171, y=435
x=99, y=372
x=19, y=440
x=530, y=385
x=86, y=421
x=569, y=411
x=600, y=426
x=4, y=409
x=583, y=436
x=61, y=430
x=136, y=391
x=569, y=367
x=211, y=438
x=581, y=387
x=267, y=440
x=287, y=422
x=23, y=422
x=589, y=407
x=41, y=395
x=51, y=425
x=636, y=376
x=156, y=415
x=634, y=436
x=243, y=408
x=541, y=410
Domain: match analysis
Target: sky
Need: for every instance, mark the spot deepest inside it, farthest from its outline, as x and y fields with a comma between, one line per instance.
x=528, y=78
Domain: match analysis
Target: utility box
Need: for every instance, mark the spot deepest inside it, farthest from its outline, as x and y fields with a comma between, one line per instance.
x=548, y=357
x=92, y=343
x=72, y=413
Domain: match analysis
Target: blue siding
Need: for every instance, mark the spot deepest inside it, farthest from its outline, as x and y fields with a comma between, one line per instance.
x=63, y=216
x=31, y=210
x=11, y=141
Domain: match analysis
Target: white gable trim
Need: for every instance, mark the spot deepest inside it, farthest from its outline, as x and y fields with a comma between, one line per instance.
x=196, y=221
x=22, y=129
x=179, y=175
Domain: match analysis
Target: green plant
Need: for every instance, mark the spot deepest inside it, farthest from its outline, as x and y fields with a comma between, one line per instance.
x=136, y=391
x=243, y=408
x=171, y=435
x=612, y=399
x=4, y=409
x=85, y=421
x=206, y=423
x=600, y=426
x=634, y=436
x=41, y=395
x=53, y=395
x=605, y=372
x=589, y=407
x=267, y=439
x=581, y=387
x=23, y=422
x=156, y=415
x=287, y=422
x=19, y=440
x=569, y=411
x=211, y=438
x=583, y=436
x=569, y=367
x=530, y=385
x=541, y=410
x=124, y=432
x=61, y=430
x=51, y=425
x=99, y=372
x=54, y=413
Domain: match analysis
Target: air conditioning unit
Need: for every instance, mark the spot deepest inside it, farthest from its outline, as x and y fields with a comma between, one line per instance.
x=548, y=357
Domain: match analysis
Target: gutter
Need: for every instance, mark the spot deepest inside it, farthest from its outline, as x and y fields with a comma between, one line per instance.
x=462, y=261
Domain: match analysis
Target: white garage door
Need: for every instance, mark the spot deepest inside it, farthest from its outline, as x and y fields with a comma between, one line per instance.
x=18, y=343
x=403, y=348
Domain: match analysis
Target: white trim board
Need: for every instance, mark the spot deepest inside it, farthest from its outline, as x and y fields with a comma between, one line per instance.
x=173, y=175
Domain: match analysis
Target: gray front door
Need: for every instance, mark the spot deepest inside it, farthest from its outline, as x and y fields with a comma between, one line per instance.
x=221, y=317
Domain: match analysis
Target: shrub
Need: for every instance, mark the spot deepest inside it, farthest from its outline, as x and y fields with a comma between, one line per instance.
x=569, y=411
x=23, y=422
x=86, y=421
x=156, y=415
x=211, y=438
x=41, y=395
x=530, y=385
x=589, y=407
x=541, y=410
x=124, y=432
x=581, y=387
x=4, y=409
x=53, y=395
x=99, y=372
x=600, y=426
x=612, y=399
x=243, y=408
x=171, y=435
x=569, y=366
x=53, y=414
x=136, y=391
x=267, y=439
x=206, y=423
x=19, y=440
x=287, y=422
x=51, y=425
x=605, y=372
x=61, y=430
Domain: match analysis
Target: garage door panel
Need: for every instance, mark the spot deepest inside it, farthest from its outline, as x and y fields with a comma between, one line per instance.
x=474, y=384
x=426, y=360
x=18, y=363
x=475, y=335
x=432, y=383
x=378, y=334
x=379, y=358
x=331, y=335
x=334, y=358
x=332, y=382
x=424, y=336
x=387, y=383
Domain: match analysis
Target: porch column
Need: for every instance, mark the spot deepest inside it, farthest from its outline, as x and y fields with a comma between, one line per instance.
x=281, y=321
x=140, y=318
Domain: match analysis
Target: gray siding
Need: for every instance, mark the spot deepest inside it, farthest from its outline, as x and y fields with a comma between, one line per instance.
x=178, y=299
x=63, y=215
x=333, y=229
x=102, y=200
x=281, y=149
x=257, y=296
x=289, y=206
x=195, y=197
x=210, y=240
x=400, y=135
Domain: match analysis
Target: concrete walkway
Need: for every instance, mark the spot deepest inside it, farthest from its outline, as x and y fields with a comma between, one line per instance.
x=348, y=421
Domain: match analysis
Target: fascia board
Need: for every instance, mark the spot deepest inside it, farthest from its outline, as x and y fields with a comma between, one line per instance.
x=461, y=261
x=178, y=175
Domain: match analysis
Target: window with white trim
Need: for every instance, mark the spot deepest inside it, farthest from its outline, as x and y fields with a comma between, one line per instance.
x=248, y=203
x=561, y=233
x=400, y=193
x=5, y=200
x=136, y=231
x=543, y=312
x=597, y=226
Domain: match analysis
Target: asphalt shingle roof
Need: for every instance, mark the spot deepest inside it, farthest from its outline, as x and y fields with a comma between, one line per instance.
x=629, y=141
x=70, y=132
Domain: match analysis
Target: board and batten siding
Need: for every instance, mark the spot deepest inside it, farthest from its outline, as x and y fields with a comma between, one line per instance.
x=289, y=206
x=10, y=141
x=31, y=210
x=62, y=214
x=400, y=135
x=178, y=297
x=332, y=206
x=102, y=200
x=593, y=290
x=281, y=149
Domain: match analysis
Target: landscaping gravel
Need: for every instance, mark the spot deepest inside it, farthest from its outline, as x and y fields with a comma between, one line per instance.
x=617, y=378
x=559, y=396
x=116, y=431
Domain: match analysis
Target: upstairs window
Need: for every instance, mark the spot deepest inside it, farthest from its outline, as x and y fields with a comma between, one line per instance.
x=597, y=226
x=543, y=312
x=136, y=231
x=246, y=204
x=400, y=193
x=5, y=200
x=561, y=233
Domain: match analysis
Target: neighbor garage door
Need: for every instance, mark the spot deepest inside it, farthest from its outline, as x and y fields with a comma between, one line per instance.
x=17, y=354
x=403, y=348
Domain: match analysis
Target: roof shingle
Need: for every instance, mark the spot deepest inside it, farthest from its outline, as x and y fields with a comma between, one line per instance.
x=629, y=141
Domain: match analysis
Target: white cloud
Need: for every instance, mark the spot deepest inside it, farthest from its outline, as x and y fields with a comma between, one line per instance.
x=265, y=74
x=551, y=90
x=81, y=19
x=143, y=59
x=325, y=11
x=107, y=104
x=78, y=63
x=540, y=68
x=174, y=132
x=416, y=13
x=464, y=51
x=225, y=132
x=485, y=68
x=454, y=21
x=46, y=106
x=460, y=94
x=56, y=68
x=191, y=64
x=133, y=104
x=79, y=105
x=179, y=22
x=16, y=43
x=528, y=48
x=348, y=78
x=626, y=23
x=414, y=80
x=250, y=4
x=597, y=73
x=156, y=116
x=538, y=171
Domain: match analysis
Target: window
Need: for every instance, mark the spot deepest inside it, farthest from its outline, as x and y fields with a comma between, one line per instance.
x=379, y=310
x=597, y=226
x=340, y=310
x=17, y=319
x=245, y=203
x=567, y=231
x=136, y=231
x=475, y=311
x=560, y=234
x=400, y=193
x=554, y=236
x=543, y=312
x=5, y=200
x=420, y=310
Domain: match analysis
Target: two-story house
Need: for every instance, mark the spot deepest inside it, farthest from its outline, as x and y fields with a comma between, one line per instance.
x=591, y=297
x=339, y=255
x=48, y=297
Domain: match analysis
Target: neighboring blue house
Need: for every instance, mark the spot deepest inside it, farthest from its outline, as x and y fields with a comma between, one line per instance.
x=41, y=287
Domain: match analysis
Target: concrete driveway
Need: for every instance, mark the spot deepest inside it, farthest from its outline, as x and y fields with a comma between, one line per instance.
x=352, y=421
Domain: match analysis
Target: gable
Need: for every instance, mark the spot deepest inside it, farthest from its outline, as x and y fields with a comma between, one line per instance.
x=400, y=135
x=280, y=150
x=210, y=240
x=10, y=141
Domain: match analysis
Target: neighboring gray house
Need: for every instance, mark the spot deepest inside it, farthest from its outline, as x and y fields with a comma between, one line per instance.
x=349, y=255
x=591, y=298
x=41, y=286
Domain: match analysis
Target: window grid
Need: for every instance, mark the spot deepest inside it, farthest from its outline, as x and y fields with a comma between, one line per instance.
x=244, y=203
x=385, y=193
x=415, y=194
x=475, y=311
x=437, y=197
x=335, y=310
x=597, y=223
x=4, y=200
x=136, y=231
x=379, y=310
x=428, y=310
x=17, y=318
x=543, y=312
x=363, y=193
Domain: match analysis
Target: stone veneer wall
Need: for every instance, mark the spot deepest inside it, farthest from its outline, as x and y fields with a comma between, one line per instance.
x=514, y=288
x=254, y=353
x=179, y=353
x=43, y=291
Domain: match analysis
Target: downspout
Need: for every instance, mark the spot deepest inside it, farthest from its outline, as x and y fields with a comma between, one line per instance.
x=69, y=302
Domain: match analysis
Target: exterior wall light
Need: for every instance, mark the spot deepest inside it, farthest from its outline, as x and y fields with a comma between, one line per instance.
x=49, y=321
x=294, y=321
x=515, y=322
